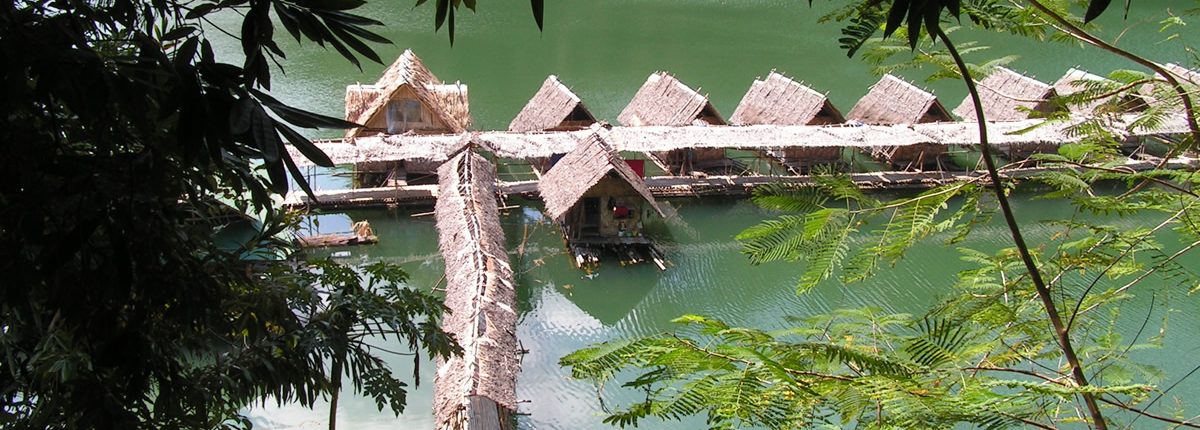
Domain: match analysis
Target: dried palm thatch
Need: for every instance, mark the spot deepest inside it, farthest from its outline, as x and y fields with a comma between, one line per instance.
x=1008, y=96
x=448, y=102
x=1076, y=81
x=532, y=145
x=361, y=97
x=481, y=296
x=778, y=100
x=1015, y=138
x=894, y=101
x=760, y=137
x=664, y=100
x=554, y=106
x=579, y=170
x=382, y=148
x=1161, y=95
x=1191, y=77
x=660, y=139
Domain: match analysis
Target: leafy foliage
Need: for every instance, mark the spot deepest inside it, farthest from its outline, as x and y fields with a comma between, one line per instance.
x=978, y=358
x=127, y=139
x=444, y=13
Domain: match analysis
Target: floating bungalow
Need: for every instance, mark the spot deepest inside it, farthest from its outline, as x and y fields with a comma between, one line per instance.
x=893, y=101
x=1076, y=80
x=1190, y=77
x=407, y=99
x=665, y=101
x=779, y=100
x=601, y=204
x=553, y=108
x=1166, y=96
x=1010, y=96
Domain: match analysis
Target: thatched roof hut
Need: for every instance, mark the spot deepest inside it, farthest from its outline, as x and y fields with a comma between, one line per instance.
x=1162, y=95
x=1076, y=80
x=1190, y=77
x=664, y=100
x=576, y=173
x=553, y=107
x=894, y=101
x=438, y=107
x=779, y=100
x=480, y=384
x=1007, y=95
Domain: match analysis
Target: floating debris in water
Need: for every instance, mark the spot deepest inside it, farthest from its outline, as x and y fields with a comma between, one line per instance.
x=340, y=254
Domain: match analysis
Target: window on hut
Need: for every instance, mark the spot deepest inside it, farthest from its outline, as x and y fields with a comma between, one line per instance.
x=403, y=115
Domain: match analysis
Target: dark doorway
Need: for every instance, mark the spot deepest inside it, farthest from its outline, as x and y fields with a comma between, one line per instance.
x=591, y=217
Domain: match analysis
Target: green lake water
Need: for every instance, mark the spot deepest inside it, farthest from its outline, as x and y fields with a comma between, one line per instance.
x=604, y=50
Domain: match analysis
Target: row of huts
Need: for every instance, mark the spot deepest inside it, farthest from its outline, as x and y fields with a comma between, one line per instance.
x=409, y=99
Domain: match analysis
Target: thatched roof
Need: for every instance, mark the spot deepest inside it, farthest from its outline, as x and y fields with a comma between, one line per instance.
x=779, y=100
x=550, y=106
x=1189, y=76
x=1004, y=93
x=583, y=167
x=660, y=139
x=1075, y=80
x=664, y=100
x=1003, y=133
x=448, y=102
x=894, y=101
x=479, y=292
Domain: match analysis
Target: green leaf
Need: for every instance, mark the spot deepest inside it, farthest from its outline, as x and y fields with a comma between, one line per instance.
x=1095, y=9
x=538, y=7
x=305, y=146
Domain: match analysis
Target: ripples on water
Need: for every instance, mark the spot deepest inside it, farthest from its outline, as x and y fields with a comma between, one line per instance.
x=563, y=310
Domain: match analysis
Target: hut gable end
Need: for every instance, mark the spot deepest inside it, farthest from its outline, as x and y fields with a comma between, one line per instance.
x=553, y=106
x=1075, y=80
x=445, y=105
x=894, y=101
x=592, y=161
x=779, y=100
x=1006, y=95
x=664, y=100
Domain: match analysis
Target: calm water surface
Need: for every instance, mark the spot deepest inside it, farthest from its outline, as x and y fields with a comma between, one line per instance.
x=604, y=50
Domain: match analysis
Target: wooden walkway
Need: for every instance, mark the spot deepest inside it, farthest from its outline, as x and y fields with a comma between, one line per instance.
x=476, y=390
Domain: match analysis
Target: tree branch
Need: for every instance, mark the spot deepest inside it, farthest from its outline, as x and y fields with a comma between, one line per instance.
x=1064, y=339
